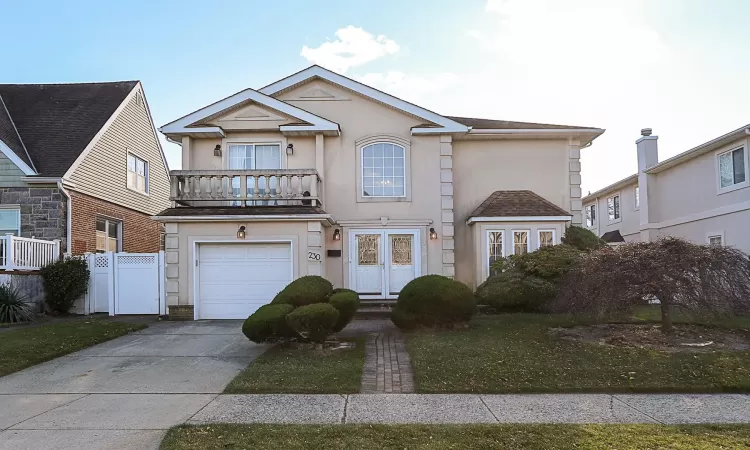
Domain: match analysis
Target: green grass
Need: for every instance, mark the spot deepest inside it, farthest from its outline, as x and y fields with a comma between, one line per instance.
x=652, y=313
x=288, y=370
x=529, y=437
x=24, y=347
x=515, y=353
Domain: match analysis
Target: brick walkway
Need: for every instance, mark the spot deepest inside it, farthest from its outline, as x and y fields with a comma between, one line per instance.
x=387, y=367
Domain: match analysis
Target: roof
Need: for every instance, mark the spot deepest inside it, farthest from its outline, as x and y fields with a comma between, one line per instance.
x=57, y=121
x=241, y=211
x=632, y=179
x=612, y=236
x=517, y=204
x=9, y=135
x=491, y=124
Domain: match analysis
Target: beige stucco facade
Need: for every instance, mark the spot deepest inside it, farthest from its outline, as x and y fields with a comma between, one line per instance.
x=447, y=175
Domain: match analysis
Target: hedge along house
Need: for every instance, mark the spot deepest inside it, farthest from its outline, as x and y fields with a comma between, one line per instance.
x=81, y=163
x=319, y=174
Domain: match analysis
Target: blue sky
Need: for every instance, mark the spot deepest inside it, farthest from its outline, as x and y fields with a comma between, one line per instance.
x=678, y=66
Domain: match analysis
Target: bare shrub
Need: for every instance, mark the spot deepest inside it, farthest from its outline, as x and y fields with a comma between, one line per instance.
x=701, y=279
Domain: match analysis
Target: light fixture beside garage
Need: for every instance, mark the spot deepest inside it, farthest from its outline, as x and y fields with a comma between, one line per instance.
x=241, y=232
x=433, y=234
x=336, y=234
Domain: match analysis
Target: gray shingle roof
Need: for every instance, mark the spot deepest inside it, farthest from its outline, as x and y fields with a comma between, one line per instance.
x=517, y=204
x=57, y=121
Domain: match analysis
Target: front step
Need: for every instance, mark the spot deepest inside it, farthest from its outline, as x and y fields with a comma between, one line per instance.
x=375, y=308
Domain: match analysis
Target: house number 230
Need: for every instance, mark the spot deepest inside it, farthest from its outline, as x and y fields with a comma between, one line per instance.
x=313, y=256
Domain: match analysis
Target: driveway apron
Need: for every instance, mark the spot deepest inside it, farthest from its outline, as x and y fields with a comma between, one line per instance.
x=124, y=393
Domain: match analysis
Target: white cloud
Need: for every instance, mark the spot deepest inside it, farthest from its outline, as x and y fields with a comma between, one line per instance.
x=409, y=87
x=353, y=47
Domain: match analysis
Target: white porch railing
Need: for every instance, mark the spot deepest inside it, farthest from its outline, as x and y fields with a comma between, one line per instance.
x=18, y=253
x=262, y=187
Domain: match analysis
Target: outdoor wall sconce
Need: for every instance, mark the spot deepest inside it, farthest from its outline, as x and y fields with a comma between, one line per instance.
x=290, y=149
x=217, y=150
x=336, y=234
x=241, y=232
x=433, y=234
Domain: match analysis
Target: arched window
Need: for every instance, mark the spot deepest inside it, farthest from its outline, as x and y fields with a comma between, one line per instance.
x=383, y=170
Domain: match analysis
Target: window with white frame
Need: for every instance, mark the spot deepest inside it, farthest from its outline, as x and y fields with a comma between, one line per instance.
x=253, y=157
x=108, y=235
x=383, y=170
x=10, y=221
x=715, y=239
x=732, y=170
x=137, y=174
x=546, y=238
x=520, y=242
x=494, y=249
x=591, y=216
x=637, y=194
x=613, y=207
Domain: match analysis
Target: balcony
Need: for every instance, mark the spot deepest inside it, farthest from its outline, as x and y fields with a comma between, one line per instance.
x=261, y=187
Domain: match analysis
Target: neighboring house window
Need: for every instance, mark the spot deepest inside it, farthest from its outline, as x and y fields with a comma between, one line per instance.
x=10, y=221
x=520, y=242
x=715, y=240
x=383, y=170
x=637, y=193
x=108, y=237
x=255, y=157
x=613, y=207
x=732, y=170
x=137, y=174
x=494, y=249
x=546, y=238
x=591, y=216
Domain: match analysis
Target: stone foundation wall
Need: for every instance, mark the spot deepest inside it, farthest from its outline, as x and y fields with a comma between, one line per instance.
x=43, y=211
x=29, y=284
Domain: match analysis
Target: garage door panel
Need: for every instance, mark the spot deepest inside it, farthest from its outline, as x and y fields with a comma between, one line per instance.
x=236, y=279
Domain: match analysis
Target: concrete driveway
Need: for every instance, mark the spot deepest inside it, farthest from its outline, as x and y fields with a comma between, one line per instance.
x=123, y=393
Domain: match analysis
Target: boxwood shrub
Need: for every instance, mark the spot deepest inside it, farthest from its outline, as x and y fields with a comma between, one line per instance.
x=433, y=300
x=305, y=291
x=313, y=322
x=268, y=323
x=346, y=303
x=513, y=291
x=64, y=281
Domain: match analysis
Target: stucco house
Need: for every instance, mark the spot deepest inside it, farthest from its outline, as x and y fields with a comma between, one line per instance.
x=81, y=163
x=702, y=195
x=319, y=174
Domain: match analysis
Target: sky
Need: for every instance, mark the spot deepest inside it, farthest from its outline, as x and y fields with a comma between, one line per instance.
x=677, y=66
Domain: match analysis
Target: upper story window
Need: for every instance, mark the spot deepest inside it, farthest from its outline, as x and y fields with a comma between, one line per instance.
x=254, y=156
x=137, y=174
x=10, y=221
x=716, y=239
x=591, y=216
x=383, y=170
x=637, y=194
x=732, y=168
x=613, y=207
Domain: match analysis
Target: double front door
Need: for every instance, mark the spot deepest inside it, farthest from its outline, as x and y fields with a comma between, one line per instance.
x=383, y=261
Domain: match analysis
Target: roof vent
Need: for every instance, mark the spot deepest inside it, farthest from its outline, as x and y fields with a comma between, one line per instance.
x=646, y=132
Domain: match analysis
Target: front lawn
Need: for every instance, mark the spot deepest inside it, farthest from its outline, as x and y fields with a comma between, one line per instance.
x=515, y=353
x=298, y=370
x=529, y=437
x=24, y=347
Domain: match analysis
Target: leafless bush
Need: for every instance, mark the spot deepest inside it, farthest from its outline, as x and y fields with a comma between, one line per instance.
x=698, y=278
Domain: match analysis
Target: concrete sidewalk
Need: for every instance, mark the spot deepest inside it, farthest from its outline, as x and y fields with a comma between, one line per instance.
x=464, y=408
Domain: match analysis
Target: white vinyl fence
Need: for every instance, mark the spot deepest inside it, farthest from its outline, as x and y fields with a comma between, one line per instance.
x=18, y=253
x=126, y=283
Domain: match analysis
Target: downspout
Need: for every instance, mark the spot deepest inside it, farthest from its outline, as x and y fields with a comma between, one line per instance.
x=68, y=218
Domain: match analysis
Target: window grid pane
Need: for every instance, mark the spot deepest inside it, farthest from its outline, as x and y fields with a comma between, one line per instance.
x=726, y=172
x=495, y=248
x=520, y=242
x=383, y=170
x=738, y=165
x=545, y=239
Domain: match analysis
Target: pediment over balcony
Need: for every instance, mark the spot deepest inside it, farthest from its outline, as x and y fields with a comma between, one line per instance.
x=248, y=116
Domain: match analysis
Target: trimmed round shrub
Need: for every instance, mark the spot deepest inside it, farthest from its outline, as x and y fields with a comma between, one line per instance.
x=512, y=291
x=433, y=300
x=65, y=281
x=313, y=322
x=346, y=303
x=305, y=291
x=268, y=323
x=550, y=263
x=582, y=239
x=338, y=290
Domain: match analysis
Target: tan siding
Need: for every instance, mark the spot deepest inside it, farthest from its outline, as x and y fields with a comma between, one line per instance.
x=10, y=174
x=103, y=173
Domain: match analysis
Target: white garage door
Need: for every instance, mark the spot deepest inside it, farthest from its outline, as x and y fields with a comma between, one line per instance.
x=237, y=279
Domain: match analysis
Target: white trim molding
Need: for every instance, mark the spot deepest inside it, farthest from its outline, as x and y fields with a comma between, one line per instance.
x=324, y=218
x=11, y=155
x=519, y=219
x=724, y=210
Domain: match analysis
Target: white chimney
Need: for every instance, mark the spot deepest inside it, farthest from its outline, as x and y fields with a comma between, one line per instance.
x=648, y=156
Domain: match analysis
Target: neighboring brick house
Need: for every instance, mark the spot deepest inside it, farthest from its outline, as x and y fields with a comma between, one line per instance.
x=81, y=163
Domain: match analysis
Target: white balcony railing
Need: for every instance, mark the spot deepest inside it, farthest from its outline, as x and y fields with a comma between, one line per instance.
x=262, y=187
x=18, y=253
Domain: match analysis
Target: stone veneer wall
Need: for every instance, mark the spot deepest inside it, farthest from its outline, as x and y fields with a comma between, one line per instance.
x=29, y=284
x=43, y=211
x=446, y=206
